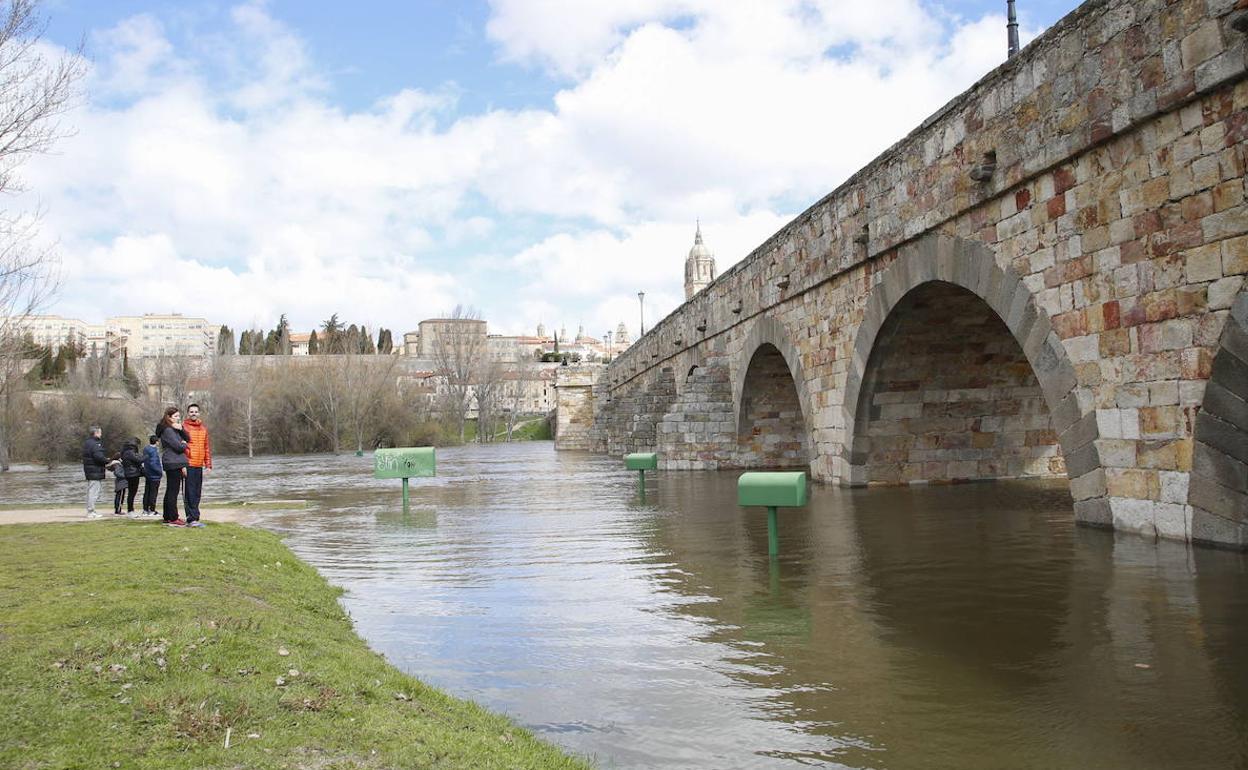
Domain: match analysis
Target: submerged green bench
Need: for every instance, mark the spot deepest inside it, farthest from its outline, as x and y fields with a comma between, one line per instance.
x=404, y=463
x=772, y=490
x=641, y=462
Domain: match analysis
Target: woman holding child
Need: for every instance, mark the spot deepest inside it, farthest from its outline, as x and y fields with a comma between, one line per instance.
x=173, y=438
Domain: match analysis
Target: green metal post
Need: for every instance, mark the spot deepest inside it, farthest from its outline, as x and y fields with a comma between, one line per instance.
x=404, y=495
x=641, y=484
x=773, y=541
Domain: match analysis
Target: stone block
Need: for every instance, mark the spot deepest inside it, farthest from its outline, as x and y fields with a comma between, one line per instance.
x=1235, y=256
x=1217, y=499
x=1222, y=293
x=1095, y=512
x=1211, y=464
x=1210, y=529
x=1202, y=44
x=1172, y=520
x=1127, y=482
x=1089, y=485
x=1115, y=453
x=1225, y=224
x=1231, y=373
x=1203, y=263
x=1165, y=455
x=1131, y=515
x=1174, y=485
x=1159, y=421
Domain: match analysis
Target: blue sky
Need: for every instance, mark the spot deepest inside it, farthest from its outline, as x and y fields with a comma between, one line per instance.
x=541, y=160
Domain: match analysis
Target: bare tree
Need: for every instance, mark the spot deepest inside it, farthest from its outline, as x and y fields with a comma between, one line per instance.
x=523, y=375
x=459, y=347
x=237, y=381
x=171, y=374
x=34, y=92
x=366, y=380
x=321, y=398
x=491, y=379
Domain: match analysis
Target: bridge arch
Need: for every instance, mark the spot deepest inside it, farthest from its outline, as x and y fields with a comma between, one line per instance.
x=1016, y=337
x=768, y=384
x=1218, y=483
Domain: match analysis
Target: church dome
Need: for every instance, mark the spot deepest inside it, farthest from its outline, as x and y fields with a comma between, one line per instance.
x=699, y=267
x=699, y=250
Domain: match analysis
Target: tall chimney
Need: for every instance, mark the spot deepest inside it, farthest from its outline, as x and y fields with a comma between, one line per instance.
x=1012, y=26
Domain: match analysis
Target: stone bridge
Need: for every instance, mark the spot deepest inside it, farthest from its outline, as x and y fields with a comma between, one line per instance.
x=1046, y=278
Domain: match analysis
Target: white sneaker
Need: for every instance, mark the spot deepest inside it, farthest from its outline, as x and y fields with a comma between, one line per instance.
x=134, y=515
x=94, y=515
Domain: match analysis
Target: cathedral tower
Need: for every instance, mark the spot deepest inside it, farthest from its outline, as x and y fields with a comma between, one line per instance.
x=699, y=267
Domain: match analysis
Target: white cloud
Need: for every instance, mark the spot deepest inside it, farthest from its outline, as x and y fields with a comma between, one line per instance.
x=236, y=178
x=610, y=268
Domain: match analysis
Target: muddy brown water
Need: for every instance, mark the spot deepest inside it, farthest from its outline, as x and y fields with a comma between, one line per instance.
x=931, y=627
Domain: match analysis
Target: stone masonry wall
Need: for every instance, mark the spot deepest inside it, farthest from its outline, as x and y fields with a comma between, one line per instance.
x=949, y=396
x=700, y=431
x=771, y=432
x=574, y=417
x=1115, y=232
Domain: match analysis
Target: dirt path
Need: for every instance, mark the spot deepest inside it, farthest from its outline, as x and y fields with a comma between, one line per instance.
x=37, y=515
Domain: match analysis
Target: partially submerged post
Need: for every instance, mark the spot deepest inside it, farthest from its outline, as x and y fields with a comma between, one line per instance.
x=641, y=462
x=404, y=463
x=772, y=490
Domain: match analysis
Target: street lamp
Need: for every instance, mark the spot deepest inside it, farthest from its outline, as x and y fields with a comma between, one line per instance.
x=1011, y=27
x=641, y=297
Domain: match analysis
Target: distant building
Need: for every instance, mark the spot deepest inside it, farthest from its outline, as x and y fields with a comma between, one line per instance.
x=54, y=331
x=699, y=266
x=172, y=334
x=299, y=344
x=423, y=342
x=137, y=336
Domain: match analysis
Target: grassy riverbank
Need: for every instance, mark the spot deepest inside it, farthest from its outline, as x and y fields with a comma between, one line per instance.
x=151, y=647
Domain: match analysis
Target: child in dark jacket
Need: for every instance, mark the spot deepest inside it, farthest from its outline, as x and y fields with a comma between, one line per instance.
x=153, y=472
x=132, y=466
x=120, y=485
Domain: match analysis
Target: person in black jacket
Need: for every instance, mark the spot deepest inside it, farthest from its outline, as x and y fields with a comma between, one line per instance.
x=132, y=468
x=173, y=458
x=93, y=462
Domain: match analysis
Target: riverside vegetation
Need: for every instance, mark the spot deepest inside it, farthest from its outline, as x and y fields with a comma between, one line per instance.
x=111, y=657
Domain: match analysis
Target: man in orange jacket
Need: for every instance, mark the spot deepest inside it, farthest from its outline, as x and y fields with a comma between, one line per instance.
x=198, y=460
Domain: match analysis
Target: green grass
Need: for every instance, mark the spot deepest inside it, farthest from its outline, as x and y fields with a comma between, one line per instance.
x=138, y=646
x=533, y=430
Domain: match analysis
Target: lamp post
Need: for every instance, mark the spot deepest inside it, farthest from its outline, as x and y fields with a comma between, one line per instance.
x=641, y=297
x=1011, y=27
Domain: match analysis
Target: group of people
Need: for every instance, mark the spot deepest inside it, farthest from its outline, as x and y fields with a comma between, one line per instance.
x=178, y=452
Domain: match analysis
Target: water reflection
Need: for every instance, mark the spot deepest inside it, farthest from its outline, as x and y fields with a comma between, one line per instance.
x=959, y=627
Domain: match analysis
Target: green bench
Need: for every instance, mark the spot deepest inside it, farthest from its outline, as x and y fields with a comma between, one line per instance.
x=772, y=490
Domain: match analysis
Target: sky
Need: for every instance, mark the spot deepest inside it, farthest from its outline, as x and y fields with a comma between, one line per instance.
x=537, y=160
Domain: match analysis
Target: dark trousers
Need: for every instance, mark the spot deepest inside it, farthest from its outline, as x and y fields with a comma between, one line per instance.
x=173, y=485
x=132, y=489
x=151, y=487
x=194, y=491
x=119, y=497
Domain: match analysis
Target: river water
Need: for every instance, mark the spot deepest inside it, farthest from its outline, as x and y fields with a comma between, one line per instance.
x=933, y=627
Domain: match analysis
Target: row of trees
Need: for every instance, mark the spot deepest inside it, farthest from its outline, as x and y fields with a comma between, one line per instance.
x=331, y=338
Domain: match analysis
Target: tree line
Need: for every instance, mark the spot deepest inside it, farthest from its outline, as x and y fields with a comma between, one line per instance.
x=331, y=338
